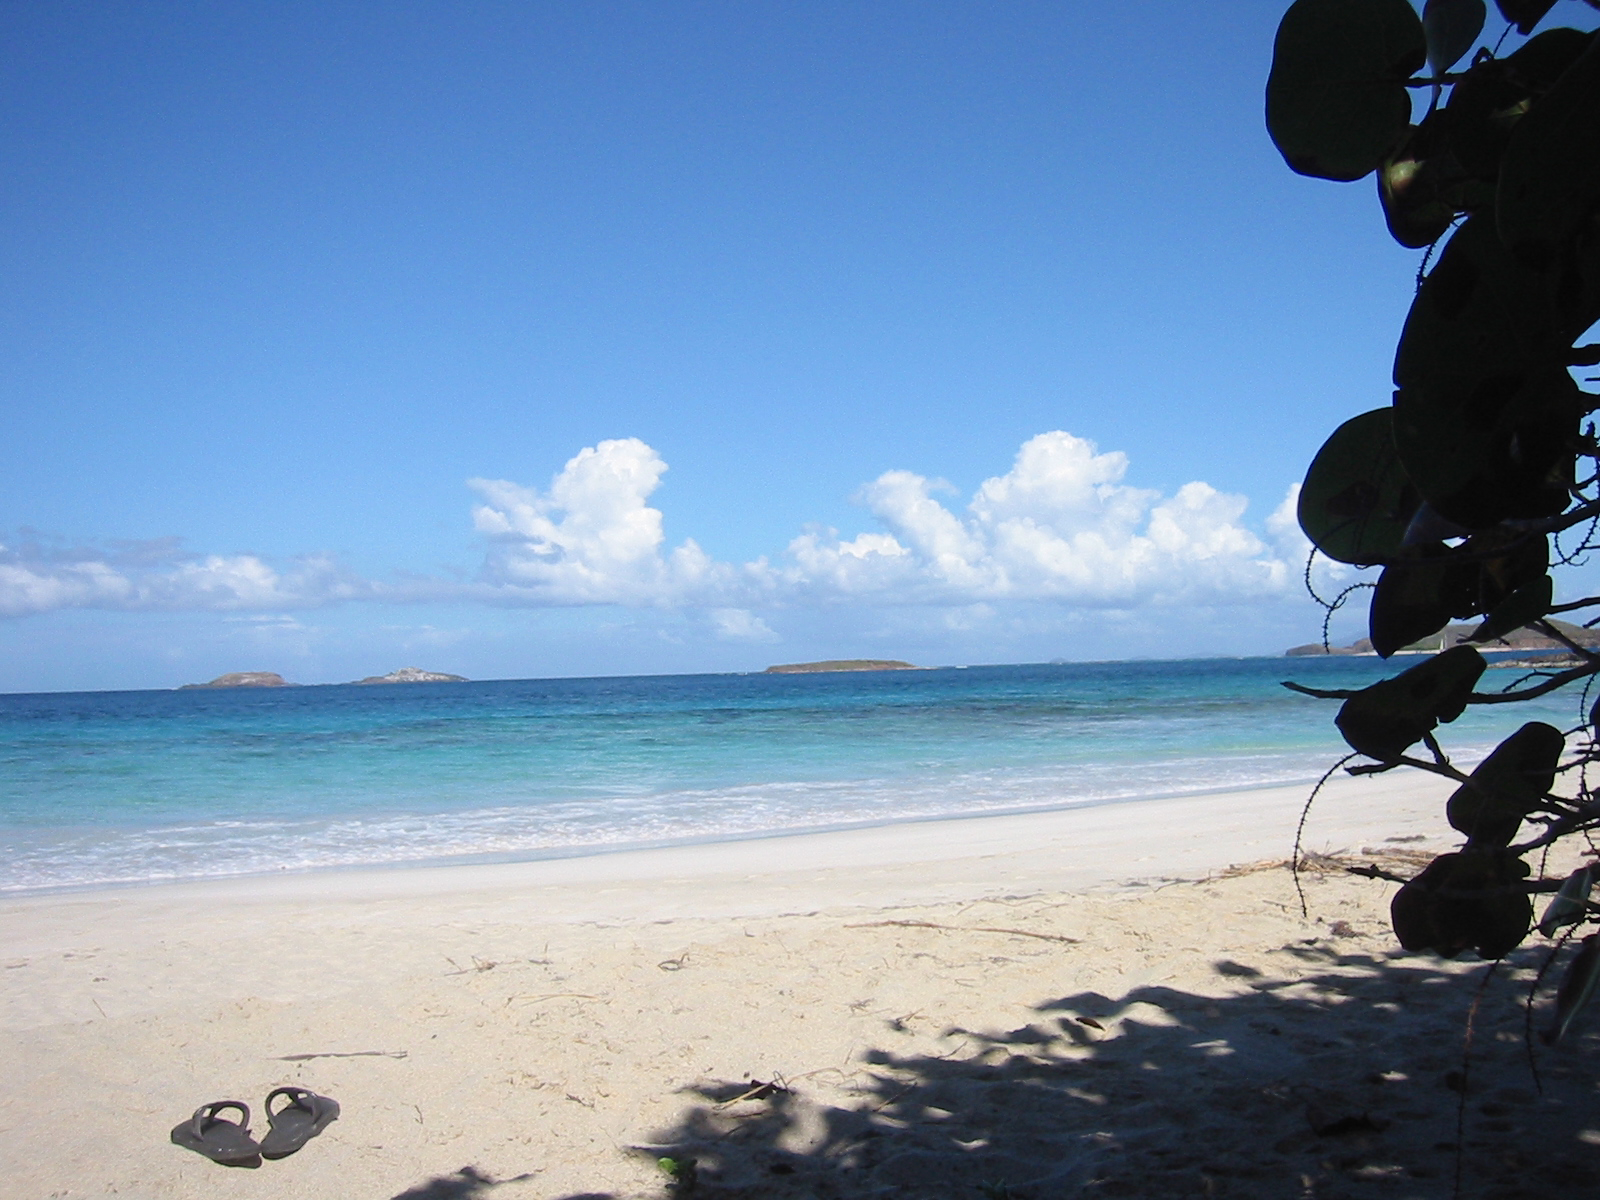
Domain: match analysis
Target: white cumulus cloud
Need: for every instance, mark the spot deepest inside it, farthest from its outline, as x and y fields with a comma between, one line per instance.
x=591, y=539
x=741, y=625
x=1062, y=526
x=158, y=576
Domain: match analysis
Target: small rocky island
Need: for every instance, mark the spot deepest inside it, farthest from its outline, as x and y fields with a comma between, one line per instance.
x=414, y=675
x=271, y=679
x=841, y=664
x=243, y=679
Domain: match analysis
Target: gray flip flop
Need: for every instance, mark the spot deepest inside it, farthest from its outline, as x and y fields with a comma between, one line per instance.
x=220, y=1141
x=297, y=1122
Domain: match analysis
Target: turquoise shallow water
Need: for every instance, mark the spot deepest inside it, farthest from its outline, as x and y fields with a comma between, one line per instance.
x=124, y=787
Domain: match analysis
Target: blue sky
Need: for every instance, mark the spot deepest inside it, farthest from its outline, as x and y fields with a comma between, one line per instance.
x=544, y=339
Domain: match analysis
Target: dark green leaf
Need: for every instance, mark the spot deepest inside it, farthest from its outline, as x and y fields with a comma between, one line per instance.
x=1480, y=314
x=1568, y=905
x=1356, y=501
x=1524, y=14
x=1451, y=27
x=1486, y=414
x=1506, y=786
x=1577, y=986
x=1385, y=720
x=1524, y=606
x=1505, y=449
x=1336, y=97
x=1478, y=119
x=1575, y=283
x=1542, y=60
x=1469, y=900
x=1550, y=174
x=1493, y=95
x=1509, y=560
x=1417, y=594
x=1417, y=191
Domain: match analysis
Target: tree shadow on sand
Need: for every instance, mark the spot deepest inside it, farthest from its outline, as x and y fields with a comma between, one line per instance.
x=466, y=1184
x=1343, y=1082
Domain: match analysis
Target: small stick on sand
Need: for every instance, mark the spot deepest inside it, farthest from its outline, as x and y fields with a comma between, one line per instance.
x=344, y=1054
x=1043, y=937
x=478, y=966
x=760, y=1090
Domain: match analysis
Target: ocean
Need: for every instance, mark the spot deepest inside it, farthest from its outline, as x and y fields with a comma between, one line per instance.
x=104, y=788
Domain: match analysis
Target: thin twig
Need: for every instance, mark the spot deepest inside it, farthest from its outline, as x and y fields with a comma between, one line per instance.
x=1549, y=630
x=1044, y=937
x=1527, y=1007
x=1299, y=831
x=1550, y=684
x=1374, y=768
x=551, y=996
x=760, y=1091
x=1436, y=768
x=344, y=1054
x=1377, y=872
x=1466, y=1066
x=1319, y=693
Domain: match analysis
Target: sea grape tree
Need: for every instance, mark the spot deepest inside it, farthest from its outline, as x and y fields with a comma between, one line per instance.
x=1459, y=490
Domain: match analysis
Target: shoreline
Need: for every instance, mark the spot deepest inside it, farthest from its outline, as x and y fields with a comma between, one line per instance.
x=1029, y=833
x=577, y=851
x=1119, y=993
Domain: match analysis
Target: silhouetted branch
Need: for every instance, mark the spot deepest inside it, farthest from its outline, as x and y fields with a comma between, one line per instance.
x=1319, y=693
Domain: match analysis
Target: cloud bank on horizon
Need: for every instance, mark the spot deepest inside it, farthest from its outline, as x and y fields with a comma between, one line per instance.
x=1060, y=526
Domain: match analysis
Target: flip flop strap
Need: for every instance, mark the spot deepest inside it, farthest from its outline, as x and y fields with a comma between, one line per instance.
x=298, y=1097
x=206, y=1114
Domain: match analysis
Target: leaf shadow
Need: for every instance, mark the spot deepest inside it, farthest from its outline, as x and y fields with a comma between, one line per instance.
x=466, y=1184
x=1342, y=1080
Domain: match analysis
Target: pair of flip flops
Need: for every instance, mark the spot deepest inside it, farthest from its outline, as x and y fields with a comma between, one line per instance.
x=229, y=1143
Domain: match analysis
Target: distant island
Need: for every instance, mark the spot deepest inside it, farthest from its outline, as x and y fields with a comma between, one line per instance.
x=841, y=664
x=271, y=679
x=1455, y=635
x=243, y=679
x=414, y=675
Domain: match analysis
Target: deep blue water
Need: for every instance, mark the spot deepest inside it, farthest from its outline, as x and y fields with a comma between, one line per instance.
x=103, y=787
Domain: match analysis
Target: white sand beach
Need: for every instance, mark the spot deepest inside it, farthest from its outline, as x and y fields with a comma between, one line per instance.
x=1118, y=1000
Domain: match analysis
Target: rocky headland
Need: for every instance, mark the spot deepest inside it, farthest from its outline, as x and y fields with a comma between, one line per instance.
x=1455, y=635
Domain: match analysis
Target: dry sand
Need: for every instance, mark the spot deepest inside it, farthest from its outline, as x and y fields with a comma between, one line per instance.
x=1075, y=1003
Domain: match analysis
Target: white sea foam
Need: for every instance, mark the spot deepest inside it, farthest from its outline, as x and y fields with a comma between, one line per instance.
x=151, y=791
x=235, y=847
